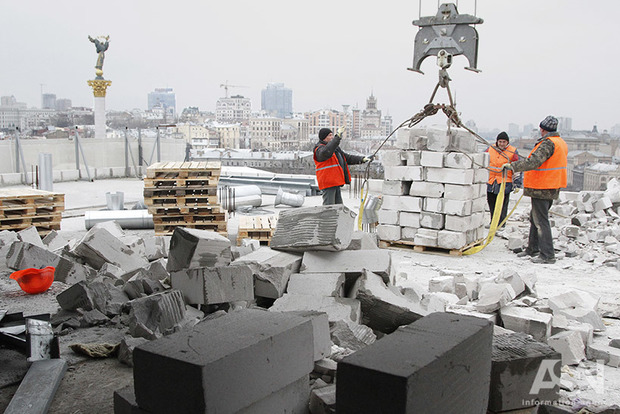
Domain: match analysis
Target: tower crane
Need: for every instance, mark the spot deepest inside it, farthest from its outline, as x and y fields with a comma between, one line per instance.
x=226, y=86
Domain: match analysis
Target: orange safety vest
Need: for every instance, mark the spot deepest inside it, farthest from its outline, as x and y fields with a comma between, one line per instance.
x=552, y=173
x=496, y=160
x=329, y=173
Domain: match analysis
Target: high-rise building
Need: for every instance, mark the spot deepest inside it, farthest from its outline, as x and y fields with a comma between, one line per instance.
x=63, y=104
x=565, y=124
x=163, y=98
x=277, y=100
x=48, y=101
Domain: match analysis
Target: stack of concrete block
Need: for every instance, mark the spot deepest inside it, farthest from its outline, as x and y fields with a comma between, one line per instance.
x=399, y=372
x=434, y=189
x=314, y=228
x=245, y=361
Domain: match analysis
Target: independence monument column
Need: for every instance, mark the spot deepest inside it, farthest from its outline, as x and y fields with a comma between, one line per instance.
x=100, y=85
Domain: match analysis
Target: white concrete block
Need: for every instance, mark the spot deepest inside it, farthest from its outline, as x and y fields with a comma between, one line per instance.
x=449, y=175
x=404, y=173
x=460, y=192
x=479, y=204
x=447, y=239
x=432, y=220
x=337, y=309
x=513, y=278
x=411, y=204
x=442, y=284
x=412, y=157
x=603, y=204
x=457, y=207
x=439, y=301
x=458, y=160
x=347, y=261
x=433, y=205
x=395, y=188
x=392, y=158
x=319, y=284
x=426, y=237
x=389, y=232
x=426, y=189
x=456, y=223
x=493, y=296
x=437, y=138
x=527, y=320
x=481, y=175
x=431, y=159
x=408, y=233
x=481, y=159
x=411, y=138
x=389, y=217
x=578, y=305
x=570, y=345
x=408, y=219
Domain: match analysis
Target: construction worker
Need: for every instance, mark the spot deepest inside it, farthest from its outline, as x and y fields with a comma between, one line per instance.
x=332, y=165
x=545, y=175
x=499, y=154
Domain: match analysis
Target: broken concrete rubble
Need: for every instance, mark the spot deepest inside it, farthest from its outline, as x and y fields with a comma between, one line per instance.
x=192, y=249
x=213, y=285
x=348, y=261
x=337, y=309
x=99, y=246
x=153, y=316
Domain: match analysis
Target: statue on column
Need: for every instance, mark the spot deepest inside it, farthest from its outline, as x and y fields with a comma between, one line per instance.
x=101, y=44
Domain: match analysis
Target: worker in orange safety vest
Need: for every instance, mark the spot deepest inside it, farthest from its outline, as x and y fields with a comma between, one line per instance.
x=499, y=154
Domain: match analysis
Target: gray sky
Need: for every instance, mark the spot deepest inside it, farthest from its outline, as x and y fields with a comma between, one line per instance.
x=537, y=57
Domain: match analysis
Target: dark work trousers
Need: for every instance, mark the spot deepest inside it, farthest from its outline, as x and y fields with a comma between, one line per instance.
x=492, y=198
x=332, y=195
x=540, y=239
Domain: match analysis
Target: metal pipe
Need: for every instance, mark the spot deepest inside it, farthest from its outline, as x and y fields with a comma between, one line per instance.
x=289, y=199
x=127, y=219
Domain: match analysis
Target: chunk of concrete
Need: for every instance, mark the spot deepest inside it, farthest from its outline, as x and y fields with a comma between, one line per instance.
x=570, y=345
x=99, y=246
x=323, y=400
x=229, y=363
x=314, y=228
x=319, y=284
x=153, y=316
x=383, y=309
x=460, y=192
x=456, y=223
x=390, y=217
x=31, y=235
x=458, y=207
x=351, y=335
x=213, y=285
x=442, y=284
x=513, y=278
x=458, y=160
x=577, y=305
x=527, y=320
x=395, y=374
x=493, y=296
x=156, y=247
x=389, y=232
x=523, y=372
x=320, y=332
x=408, y=219
x=337, y=309
x=426, y=237
x=439, y=301
x=192, y=249
x=606, y=353
x=94, y=295
x=432, y=220
x=348, y=261
x=7, y=238
x=453, y=240
x=362, y=240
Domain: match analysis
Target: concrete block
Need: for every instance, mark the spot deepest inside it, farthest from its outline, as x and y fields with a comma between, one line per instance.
x=6, y=239
x=518, y=362
x=411, y=138
x=577, y=305
x=481, y=175
x=361, y=240
x=395, y=188
x=426, y=189
x=292, y=398
x=54, y=242
x=31, y=235
x=213, y=285
x=336, y=308
x=408, y=219
x=319, y=284
x=272, y=270
x=384, y=309
x=431, y=159
x=478, y=205
x=432, y=205
x=438, y=139
x=225, y=364
x=156, y=315
x=408, y=233
x=99, y=246
x=570, y=345
x=155, y=270
x=456, y=223
x=390, y=217
x=411, y=157
x=125, y=350
x=606, y=353
x=192, y=249
x=454, y=240
x=458, y=160
x=457, y=207
x=323, y=400
x=439, y=301
x=314, y=228
x=442, y=284
x=560, y=324
x=320, y=332
x=527, y=320
x=493, y=296
x=513, y=278
x=460, y=192
x=394, y=375
x=449, y=175
x=389, y=232
x=402, y=203
x=156, y=247
x=462, y=140
x=112, y=226
x=404, y=173
x=348, y=261
x=392, y=158
x=432, y=220
x=603, y=204
x=426, y=237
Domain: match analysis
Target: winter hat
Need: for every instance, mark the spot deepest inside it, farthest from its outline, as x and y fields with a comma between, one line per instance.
x=549, y=124
x=502, y=135
x=324, y=132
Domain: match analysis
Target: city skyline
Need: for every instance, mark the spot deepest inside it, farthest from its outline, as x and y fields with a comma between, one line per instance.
x=536, y=59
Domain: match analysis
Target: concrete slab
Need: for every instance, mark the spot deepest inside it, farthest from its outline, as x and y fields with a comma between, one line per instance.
x=153, y=316
x=192, y=249
x=319, y=284
x=337, y=309
x=213, y=285
x=527, y=320
x=348, y=261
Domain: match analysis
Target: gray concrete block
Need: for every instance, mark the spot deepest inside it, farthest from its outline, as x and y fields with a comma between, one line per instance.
x=212, y=285
x=31, y=235
x=99, y=246
x=579, y=306
x=320, y=332
x=395, y=187
x=610, y=355
x=7, y=238
x=449, y=175
x=460, y=192
x=404, y=173
x=447, y=239
x=517, y=361
x=156, y=315
x=125, y=401
x=432, y=220
x=411, y=157
x=461, y=208
x=348, y=261
x=399, y=373
x=383, y=309
x=389, y=232
x=427, y=189
x=432, y=205
x=272, y=270
x=408, y=233
x=431, y=159
x=337, y=309
x=155, y=270
x=408, y=219
x=390, y=217
x=362, y=240
x=54, y=242
x=319, y=284
x=392, y=158
x=456, y=223
x=426, y=237
x=527, y=320
x=570, y=345
x=411, y=138
x=192, y=249
x=223, y=365
x=458, y=160
x=292, y=398
x=403, y=203
x=314, y=228
x=493, y=296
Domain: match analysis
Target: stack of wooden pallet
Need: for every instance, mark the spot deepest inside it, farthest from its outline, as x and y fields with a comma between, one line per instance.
x=21, y=208
x=259, y=228
x=184, y=194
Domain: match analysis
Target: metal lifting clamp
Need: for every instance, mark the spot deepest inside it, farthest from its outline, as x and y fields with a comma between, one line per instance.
x=447, y=34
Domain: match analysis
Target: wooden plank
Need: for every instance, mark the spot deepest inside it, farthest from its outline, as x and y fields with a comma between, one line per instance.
x=37, y=389
x=406, y=244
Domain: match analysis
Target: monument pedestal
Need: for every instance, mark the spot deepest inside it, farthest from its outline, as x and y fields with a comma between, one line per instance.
x=100, y=87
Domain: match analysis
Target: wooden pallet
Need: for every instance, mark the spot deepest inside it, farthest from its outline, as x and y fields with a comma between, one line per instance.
x=176, y=182
x=167, y=229
x=184, y=169
x=181, y=201
x=405, y=244
x=259, y=228
x=181, y=210
x=184, y=219
x=16, y=197
x=21, y=208
x=179, y=192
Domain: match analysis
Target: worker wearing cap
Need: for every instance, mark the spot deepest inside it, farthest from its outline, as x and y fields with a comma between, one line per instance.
x=545, y=175
x=499, y=154
x=332, y=165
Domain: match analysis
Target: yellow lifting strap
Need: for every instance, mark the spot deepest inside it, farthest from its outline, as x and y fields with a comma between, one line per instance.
x=362, y=202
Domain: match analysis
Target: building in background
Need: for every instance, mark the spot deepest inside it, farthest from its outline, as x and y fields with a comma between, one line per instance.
x=48, y=101
x=63, y=104
x=164, y=100
x=565, y=124
x=232, y=110
x=277, y=100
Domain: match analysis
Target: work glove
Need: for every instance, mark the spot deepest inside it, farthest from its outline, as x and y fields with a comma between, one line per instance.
x=368, y=158
x=341, y=131
x=516, y=190
x=507, y=166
